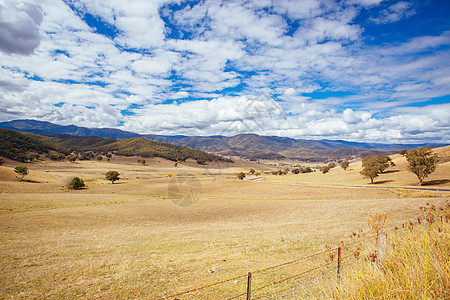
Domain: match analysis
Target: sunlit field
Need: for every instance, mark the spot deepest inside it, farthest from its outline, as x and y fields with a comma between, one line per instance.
x=129, y=240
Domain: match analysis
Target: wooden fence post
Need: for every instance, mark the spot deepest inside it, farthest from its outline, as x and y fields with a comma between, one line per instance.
x=249, y=286
x=339, y=265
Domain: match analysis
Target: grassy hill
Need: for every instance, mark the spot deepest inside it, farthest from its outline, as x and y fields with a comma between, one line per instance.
x=17, y=145
x=147, y=148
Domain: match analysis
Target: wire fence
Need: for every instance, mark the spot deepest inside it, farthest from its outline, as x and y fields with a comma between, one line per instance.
x=261, y=285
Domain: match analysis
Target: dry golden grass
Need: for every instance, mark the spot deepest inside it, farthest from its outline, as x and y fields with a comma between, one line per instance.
x=128, y=240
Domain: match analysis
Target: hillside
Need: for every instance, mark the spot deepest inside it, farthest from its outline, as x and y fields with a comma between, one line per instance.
x=17, y=145
x=251, y=146
x=147, y=148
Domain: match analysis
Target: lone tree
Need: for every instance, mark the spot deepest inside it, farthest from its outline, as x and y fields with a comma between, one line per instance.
x=21, y=170
x=345, y=164
x=371, y=167
x=422, y=162
x=76, y=184
x=112, y=176
x=241, y=175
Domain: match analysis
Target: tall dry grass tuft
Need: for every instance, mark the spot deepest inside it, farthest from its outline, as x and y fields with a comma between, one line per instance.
x=415, y=264
x=377, y=221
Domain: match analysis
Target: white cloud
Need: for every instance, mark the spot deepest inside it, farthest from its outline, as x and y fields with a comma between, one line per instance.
x=179, y=95
x=211, y=47
x=19, y=27
x=394, y=13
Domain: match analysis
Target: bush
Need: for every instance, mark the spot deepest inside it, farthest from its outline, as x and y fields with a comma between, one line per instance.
x=112, y=176
x=241, y=175
x=331, y=165
x=325, y=169
x=76, y=184
x=21, y=170
x=345, y=164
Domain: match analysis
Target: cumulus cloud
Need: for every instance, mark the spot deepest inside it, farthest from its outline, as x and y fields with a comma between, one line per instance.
x=19, y=27
x=309, y=56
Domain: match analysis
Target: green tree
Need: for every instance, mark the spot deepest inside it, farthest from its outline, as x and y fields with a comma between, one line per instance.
x=371, y=167
x=422, y=162
x=112, y=176
x=241, y=175
x=345, y=164
x=99, y=158
x=76, y=184
x=22, y=171
x=385, y=162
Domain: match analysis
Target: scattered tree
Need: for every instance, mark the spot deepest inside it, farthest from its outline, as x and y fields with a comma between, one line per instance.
x=285, y=171
x=345, y=164
x=57, y=156
x=371, y=167
x=175, y=164
x=331, y=165
x=71, y=158
x=295, y=171
x=422, y=162
x=385, y=162
x=76, y=184
x=22, y=171
x=112, y=176
x=324, y=169
x=99, y=158
x=257, y=173
x=241, y=175
x=32, y=156
x=251, y=172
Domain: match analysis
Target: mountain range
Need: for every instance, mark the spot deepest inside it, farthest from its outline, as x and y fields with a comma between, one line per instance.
x=250, y=146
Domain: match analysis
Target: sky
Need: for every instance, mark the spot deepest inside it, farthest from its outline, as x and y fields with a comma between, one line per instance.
x=356, y=70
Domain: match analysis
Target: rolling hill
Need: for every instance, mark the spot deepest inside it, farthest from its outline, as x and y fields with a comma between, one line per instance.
x=17, y=145
x=250, y=146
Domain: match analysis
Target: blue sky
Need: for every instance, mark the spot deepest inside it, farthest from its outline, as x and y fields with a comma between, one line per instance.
x=358, y=70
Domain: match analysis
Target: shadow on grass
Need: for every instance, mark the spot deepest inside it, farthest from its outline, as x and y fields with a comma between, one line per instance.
x=435, y=182
x=382, y=181
x=390, y=171
x=30, y=181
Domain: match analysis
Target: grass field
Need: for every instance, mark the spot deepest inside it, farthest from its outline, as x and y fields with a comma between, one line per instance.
x=128, y=240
